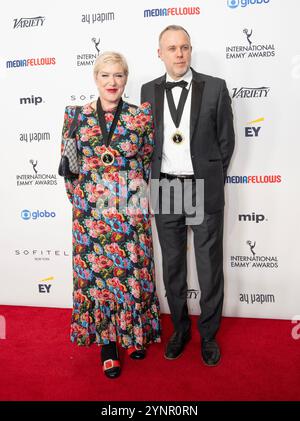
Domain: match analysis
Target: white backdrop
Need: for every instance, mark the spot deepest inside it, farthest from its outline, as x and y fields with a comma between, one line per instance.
x=63, y=39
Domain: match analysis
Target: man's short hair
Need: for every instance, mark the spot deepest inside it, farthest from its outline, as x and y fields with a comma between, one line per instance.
x=174, y=28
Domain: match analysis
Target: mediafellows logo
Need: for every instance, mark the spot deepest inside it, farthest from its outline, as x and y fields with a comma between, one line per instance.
x=245, y=92
x=172, y=11
x=251, y=49
x=29, y=22
x=31, y=62
x=233, y=4
x=253, y=179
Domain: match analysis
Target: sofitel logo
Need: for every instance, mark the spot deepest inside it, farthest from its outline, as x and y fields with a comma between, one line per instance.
x=36, y=178
x=251, y=50
x=29, y=22
x=253, y=259
x=41, y=254
x=244, y=92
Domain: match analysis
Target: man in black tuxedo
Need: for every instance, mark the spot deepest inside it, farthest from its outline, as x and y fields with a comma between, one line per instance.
x=194, y=139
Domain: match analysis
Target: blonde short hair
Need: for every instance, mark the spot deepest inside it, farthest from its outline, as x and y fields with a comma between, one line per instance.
x=110, y=57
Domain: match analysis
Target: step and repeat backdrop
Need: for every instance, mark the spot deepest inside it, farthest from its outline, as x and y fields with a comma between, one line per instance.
x=47, y=54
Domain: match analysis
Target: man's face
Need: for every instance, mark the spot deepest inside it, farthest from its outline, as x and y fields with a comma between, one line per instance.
x=175, y=51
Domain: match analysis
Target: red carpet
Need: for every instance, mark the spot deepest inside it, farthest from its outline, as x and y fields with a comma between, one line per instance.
x=260, y=361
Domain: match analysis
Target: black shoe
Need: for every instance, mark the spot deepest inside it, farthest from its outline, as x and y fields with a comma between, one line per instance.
x=210, y=352
x=136, y=354
x=110, y=360
x=176, y=344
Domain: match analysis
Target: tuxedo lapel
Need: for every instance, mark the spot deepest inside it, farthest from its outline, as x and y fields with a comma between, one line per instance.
x=197, y=92
x=159, y=108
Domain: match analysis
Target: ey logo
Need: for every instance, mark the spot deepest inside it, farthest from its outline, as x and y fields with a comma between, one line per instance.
x=252, y=129
x=44, y=286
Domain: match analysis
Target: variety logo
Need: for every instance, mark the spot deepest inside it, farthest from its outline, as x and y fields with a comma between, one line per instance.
x=44, y=285
x=253, y=179
x=257, y=298
x=251, y=50
x=253, y=130
x=31, y=100
x=253, y=259
x=41, y=254
x=252, y=218
x=34, y=137
x=41, y=61
x=97, y=17
x=27, y=214
x=36, y=178
x=244, y=92
x=172, y=11
x=233, y=4
x=29, y=22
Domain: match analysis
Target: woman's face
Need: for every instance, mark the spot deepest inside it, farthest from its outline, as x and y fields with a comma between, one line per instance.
x=111, y=81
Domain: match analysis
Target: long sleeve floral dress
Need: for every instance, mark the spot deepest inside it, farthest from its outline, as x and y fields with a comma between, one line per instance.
x=114, y=296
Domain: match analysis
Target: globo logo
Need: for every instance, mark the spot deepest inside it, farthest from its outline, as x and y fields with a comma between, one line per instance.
x=27, y=214
x=233, y=4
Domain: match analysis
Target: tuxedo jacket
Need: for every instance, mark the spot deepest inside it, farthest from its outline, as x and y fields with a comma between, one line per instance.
x=211, y=132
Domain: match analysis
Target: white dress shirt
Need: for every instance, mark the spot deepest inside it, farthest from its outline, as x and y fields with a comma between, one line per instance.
x=176, y=157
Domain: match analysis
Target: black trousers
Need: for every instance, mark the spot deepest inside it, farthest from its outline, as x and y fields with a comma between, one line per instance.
x=208, y=245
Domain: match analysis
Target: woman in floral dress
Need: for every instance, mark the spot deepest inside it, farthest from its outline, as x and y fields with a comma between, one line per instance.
x=114, y=298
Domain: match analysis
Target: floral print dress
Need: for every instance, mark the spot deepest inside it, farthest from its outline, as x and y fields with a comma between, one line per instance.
x=114, y=296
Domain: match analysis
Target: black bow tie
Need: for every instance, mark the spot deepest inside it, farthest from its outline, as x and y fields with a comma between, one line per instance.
x=171, y=85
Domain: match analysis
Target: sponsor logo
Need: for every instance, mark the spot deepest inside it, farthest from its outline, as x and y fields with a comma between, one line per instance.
x=44, y=285
x=88, y=59
x=253, y=298
x=36, y=178
x=31, y=100
x=82, y=97
x=254, y=260
x=97, y=17
x=253, y=131
x=253, y=179
x=27, y=62
x=250, y=92
x=233, y=4
x=34, y=137
x=172, y=11
x=253, y=217
x=27, y=214
x=29, y=22
x=41, y=254
x=251, y=50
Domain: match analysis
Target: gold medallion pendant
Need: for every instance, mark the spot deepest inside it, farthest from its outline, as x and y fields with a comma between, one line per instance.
x=107, y=158
x=177, y=138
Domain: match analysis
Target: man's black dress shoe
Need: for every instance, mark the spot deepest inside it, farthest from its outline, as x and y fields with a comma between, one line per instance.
x=210, y=352
x=176, y=344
